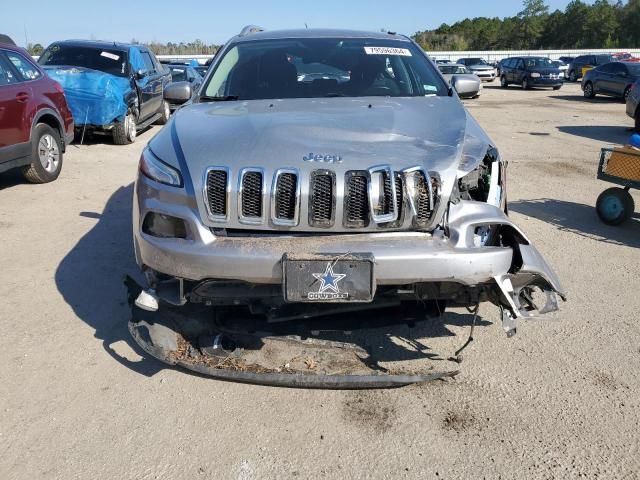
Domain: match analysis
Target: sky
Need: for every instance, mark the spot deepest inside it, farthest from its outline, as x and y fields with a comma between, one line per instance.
x=215, y=22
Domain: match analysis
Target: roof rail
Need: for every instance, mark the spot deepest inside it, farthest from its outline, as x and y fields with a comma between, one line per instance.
x=249, y=29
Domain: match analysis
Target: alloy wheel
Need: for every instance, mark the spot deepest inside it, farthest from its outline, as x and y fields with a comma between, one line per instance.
x=49, y=153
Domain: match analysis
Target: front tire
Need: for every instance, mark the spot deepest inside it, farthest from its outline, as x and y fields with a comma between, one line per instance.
x=503, y=82
x=557, y=88
x=46, y=155
x=615, y=206
x=572, y=76
x=627, y=92
x=125, y=132
x=165, y=113
x=525, y=84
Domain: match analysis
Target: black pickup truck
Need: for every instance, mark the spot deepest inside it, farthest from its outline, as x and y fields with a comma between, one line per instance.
x=112, y=88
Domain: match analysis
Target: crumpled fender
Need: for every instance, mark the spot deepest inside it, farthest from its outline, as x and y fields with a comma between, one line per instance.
x=529, y=270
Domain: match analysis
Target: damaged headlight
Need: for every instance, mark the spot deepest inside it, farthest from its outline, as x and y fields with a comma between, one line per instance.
x=485, y=183
x=157, y=170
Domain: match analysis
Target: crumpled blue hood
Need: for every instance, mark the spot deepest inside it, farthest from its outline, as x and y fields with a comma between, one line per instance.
x=94, y=97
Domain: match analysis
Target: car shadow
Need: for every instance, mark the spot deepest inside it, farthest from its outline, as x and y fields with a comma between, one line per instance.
x=11, y=178
x=90, y=279
x=91, y=276
x=580, y=219
x=582, y=99
x=612, y=134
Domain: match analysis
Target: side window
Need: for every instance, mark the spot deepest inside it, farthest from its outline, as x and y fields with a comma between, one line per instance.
x=7, y=77
x=27, y=70
x=148, y=63
x=607, y=68
x=618, y=68
x=156, y=64
x=520, y=64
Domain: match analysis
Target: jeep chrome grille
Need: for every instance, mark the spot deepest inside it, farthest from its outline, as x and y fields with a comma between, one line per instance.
x=356, y=200
x=216, y=192
x=322, y=198
x=250, y=195
x=377, y=198
x=285, y=197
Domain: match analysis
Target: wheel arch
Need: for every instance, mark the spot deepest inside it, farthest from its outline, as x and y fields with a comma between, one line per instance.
x=50, y=117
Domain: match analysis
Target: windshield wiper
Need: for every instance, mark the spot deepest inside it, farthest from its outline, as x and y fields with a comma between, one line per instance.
x=226, y=98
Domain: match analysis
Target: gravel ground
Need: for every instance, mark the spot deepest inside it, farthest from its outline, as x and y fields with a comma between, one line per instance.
x=79, y=401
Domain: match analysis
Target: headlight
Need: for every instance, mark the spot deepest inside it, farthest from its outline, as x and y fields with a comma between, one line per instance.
x=535, y=75
x=157, y=170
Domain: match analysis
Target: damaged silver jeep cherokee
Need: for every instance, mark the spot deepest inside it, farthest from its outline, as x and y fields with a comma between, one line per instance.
x=317, y=170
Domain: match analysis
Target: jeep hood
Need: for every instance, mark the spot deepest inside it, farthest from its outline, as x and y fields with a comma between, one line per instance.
x=363, y=132
x=94, y=97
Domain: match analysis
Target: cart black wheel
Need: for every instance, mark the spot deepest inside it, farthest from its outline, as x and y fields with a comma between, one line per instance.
x=615, y=206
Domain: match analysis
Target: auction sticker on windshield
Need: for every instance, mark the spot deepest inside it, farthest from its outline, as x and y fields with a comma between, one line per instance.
x=387, y=51
x=110, y=55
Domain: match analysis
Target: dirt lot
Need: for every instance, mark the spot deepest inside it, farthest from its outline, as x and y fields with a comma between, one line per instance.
x=560, y=400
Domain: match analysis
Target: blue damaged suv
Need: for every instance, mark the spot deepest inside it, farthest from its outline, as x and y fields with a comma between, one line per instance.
x=112, y=88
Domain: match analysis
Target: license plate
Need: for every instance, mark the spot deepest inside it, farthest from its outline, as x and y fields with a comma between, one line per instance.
x=328, y=278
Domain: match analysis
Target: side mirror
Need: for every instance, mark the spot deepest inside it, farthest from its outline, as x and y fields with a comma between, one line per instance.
x=178, y=93
x=464, y=85
x=140, y=74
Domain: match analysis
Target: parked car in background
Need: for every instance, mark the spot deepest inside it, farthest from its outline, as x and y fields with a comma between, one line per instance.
x=480, y=67
x=112, y=88
x=579, y=64
x=499, y=67
x=530, y=72
x=450, y=70
x=35, y=122
x=566, y=60
x=614, y=79
x=184, y=73
x=633, y=104
x=563, y=67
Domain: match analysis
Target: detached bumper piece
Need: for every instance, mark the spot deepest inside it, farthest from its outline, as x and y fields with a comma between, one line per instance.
x=192, y=340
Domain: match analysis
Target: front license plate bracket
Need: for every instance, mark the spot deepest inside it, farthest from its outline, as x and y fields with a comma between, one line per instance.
x=328, y=278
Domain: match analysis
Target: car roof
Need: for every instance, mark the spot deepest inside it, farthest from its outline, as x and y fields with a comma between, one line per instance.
x=318, y=33
x=97, y=44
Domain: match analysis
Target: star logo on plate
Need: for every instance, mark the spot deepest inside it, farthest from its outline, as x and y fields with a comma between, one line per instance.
x=329, y=279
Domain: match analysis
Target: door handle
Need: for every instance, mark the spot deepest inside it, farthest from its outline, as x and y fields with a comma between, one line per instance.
x=22, y=97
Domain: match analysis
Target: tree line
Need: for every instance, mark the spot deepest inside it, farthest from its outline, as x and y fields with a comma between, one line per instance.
x=197, y=47
x=602, y=24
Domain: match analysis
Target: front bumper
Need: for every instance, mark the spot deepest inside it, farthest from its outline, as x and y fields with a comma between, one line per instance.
x=401, y=258
x=485, y=75
x=546, y=82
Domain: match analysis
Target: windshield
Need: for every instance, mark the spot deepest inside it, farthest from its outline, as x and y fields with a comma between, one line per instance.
x=475, y=61
x=105, y=60
x=453, y=69
x=323, y=67
x=538, y=62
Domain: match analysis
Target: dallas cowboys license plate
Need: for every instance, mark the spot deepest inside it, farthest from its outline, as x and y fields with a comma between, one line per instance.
x=328, y=278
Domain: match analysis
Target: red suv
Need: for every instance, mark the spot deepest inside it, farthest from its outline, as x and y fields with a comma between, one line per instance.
x=35, y=121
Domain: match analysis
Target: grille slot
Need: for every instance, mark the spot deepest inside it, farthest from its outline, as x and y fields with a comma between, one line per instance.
x=251, y=195
x=356, y=207
x=216, y=193
x=399, y=201
x=322, y=198
x=382, y=195
x=424, y=199
x=285, y=198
